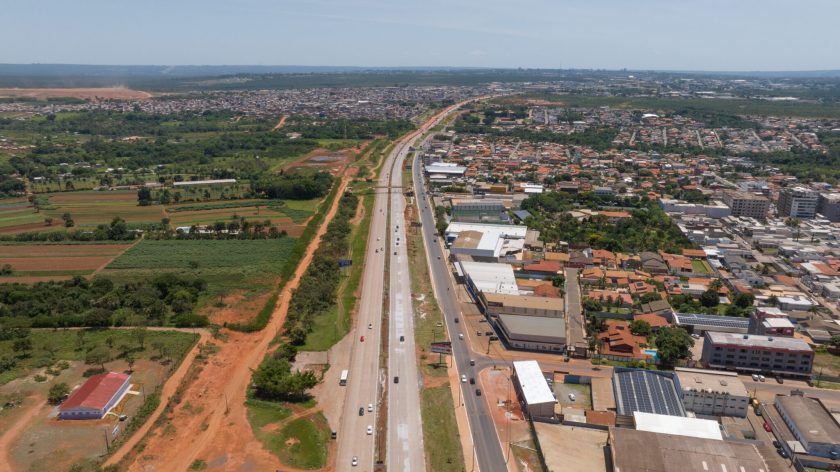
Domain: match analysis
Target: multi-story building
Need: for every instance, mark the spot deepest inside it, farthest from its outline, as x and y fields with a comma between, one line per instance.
x=798, y=202
x=775, y=355
x=829, y=206
x=747, y=204
x=709, y=392
x=770, y=321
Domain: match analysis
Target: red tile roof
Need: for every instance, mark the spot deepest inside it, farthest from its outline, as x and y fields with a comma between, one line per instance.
x=96, y=392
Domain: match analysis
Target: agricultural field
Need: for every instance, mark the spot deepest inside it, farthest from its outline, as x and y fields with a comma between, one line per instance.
x=224, y=264
x=38, y=262
x=288, y=215
x=89, y=209
x=46, y=443
x=18, y=212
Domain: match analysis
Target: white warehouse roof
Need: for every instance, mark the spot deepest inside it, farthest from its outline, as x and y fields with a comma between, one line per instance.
x=678, y=425
x=532, y=383
x=498, y=239
x=445, y=168
x=491, y=277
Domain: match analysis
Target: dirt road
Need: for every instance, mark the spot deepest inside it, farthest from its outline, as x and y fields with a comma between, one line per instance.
x=280, y=123
x=210, y=422
x=10, y=434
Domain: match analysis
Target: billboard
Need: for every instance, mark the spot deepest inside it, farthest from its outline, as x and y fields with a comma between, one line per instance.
x=444, y=347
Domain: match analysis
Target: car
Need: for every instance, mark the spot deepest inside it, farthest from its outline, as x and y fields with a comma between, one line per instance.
x=434, y=240
x=370, y=406
x=361, y=411
x=472, y=380
x=123, y=417
x=370, y=325
x=695, y=336
x=333, y=435
x=761, y=378
x=494, y=338
x=370, y=429
x=767, y=427
x=438, y=257
x=472, y=361
x=777, y=444
x=755, y=377
x=461, y=336
x=378, y=239
x=361, y=339
x=463, y=378
x=376, y=251
x=456, y=320
x=355, y=461
x=478, y=392
x=478, y=333
x=396, y=379
x=402, y=338
x=780, y=380
x=782, y=453
x=488, y=333
x=572, y=397
x=395, y=253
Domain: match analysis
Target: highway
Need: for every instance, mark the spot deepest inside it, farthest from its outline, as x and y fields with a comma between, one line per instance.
x=488, y=450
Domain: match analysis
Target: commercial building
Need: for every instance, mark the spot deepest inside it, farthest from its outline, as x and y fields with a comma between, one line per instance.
x=535, y=395
x=811, y=423
x=798, y=202
x=677, y=425
x=478, y=211
x=699, y=323
x=770, y=321
x=533, y=333
x=776, y=355
x=712, y=393
x=486, y=242
x=747, y=204
x=829, y=206
x=634, y=450
x=93, y=399
x=714, y=210
x=501, y=303
x=648, y=391
x=198, y=183
x=488, y=277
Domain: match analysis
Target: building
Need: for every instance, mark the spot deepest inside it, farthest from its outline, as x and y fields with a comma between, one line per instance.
x=487, y=242
x=478, y=211
x=488, y=277
x=533, y=333
x=811, y=423
x=699, y=323
x=648, y=391
x=677, y=425
x=747, y=204
x=829, y=206
x=712, y=393
x=798, y=202
x=776, y=355
x=535, y=395
x=93, y=399
x=770, y=321
x=632, y=450
x=714, y=210
x=198, y=183
x=500, y=303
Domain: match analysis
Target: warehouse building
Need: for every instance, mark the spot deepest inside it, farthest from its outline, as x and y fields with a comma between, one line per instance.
x=712, y=392
x=776, y=355
x=677, y=425
x=486, y=242
x=535, y=395
x=632, y=450
x=811, y=423
x=533, y=333
x=647, y=391
x=500, y=303
x=479, y=211
x=93, y=399
x=488, y=277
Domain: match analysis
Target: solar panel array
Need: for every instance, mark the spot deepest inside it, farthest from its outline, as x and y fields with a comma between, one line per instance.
x=646, y=391
x=712, y=320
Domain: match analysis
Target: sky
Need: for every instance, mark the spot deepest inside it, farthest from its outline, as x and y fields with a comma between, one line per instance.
x=712, y=35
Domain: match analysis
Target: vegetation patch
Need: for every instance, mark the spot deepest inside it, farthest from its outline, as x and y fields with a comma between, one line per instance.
x=440, y=430
x=302, y=443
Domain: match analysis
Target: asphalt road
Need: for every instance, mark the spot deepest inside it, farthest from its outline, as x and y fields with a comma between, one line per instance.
x=488, y=455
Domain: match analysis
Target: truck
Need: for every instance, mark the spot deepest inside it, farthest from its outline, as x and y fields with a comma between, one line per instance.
x=343, y=379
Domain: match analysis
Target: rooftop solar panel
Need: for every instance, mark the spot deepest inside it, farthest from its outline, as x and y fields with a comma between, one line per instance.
x=646, y=391
x=711, y=320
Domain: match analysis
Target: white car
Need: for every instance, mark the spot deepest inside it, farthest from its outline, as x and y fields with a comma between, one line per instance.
x=355, y=461
x=378, y=239
x=370, y=429
x=463, y=378
x=370, y=406
x=572, y=397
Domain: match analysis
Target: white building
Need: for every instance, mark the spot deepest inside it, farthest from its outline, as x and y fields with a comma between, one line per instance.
x=485, y=241
x=677, y=425
x=489, y=277
x=712, y=392
x=534, y=392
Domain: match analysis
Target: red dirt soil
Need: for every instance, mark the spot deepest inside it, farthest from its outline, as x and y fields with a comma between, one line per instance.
x=106, y=93
x=221, y=434
x=13, y=431
x=64, y=250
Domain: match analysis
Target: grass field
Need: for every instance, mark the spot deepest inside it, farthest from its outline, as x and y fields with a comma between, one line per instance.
x=89, y=209
x=829, y=363
x=224, y=264
x=302, y=443
x=699, y=267
x=51, y=346
x=289, y=215
x=262, y=413
x=440, y=431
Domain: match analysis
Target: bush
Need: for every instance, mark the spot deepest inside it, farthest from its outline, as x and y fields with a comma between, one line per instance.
x=40, y=378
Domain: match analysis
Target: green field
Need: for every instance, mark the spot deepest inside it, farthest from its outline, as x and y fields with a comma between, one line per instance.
x=308, y=438
x=224, y=264
x=699, y=267
x=440, y=431
x=50, y=346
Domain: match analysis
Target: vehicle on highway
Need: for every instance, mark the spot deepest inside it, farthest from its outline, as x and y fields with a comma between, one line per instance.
x=343, y=379
x=478, y=392
x=370, y=406
x=461, y=336
x=402, y=338
x=472, y=380
x=396, y=379
x=370, y=429
x=361, y=339
x=472, y=361
x=572, y=397
x=780, y=380
x=355, y=461
x=361, y=411
x=370, y=325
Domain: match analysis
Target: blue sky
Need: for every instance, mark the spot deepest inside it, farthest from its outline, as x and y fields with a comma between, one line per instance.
x=610, y=34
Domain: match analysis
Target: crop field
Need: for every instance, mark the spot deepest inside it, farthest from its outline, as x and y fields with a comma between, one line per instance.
x=224, y=264
x=56, y=260
x=93, y=208
x=18, y=212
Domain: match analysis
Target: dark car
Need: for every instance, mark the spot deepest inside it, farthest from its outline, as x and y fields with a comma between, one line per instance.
x=361, y=411
x=780, y=380
x=478, y=392
x=472, y=380
x=456, y=320
x=782, y=453
x=333, y=435
x=402, y=338
x=396, y=379
x=777, y=444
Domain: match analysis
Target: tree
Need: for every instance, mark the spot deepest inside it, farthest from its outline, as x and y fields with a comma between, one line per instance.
x=640, y=328
x=558, y=280
x=129, y=359
x=650, y=297
x=744, y=300
x=709, y=298
x=48, y=221
x=144, y=196
x=590, y=304
x=139, y=335
x=673, y=344
x=773, y=300
x=274, y=380
x=58, y=393
x=834, y=342
x=98, y=355
x=22, y=345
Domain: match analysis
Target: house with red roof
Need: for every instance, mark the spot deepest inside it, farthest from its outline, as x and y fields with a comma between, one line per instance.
x=93, y=399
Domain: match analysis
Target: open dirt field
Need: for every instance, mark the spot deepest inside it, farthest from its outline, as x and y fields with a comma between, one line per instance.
x=91, y=208
x=221, y=433
x=105, y=93
x=57, y=260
